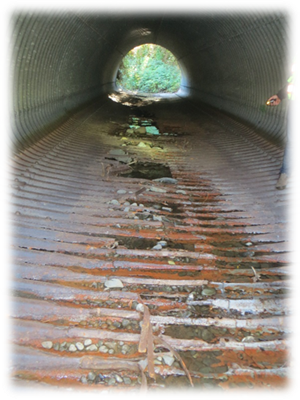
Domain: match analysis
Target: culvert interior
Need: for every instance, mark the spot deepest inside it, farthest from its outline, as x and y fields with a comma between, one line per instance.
x=149, y=244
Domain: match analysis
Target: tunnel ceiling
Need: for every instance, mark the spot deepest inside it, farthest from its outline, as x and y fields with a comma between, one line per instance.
x=63, y=61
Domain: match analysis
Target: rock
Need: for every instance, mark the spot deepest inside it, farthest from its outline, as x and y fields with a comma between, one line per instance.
x=47, y=345
x=180, y=191
x=167, y=209
x=157, y=189
x=118, y=378
x=117, y=152
x=72, y=347
x=114, y=202
x=248, y=244
x=112, y=345
x=92, y=347
x=125, y=159
x=111, y=351
x=125, y=349
x=111, y=381
x=140, y=307
x=141, y=130
x=83, y=379
x=152, y=130
x=121, y=191
x=125, y=323
x=117, y=324
x=113, y=283
x=163, y=243
x=103, y=349
x=191, y=297
x=157, y=218
x=130, y=131
x=91, y=376
x=142, y=144
x=79, y=346
x=127, y=380
x=56, y=346
x=157, y=247
x=126, y=209
x=205, y=370
x=99, y=378
x=208, y=292
x=167, y=180
x=248, y=339
x=88, y=342
x=168, y=359
x=63, y=346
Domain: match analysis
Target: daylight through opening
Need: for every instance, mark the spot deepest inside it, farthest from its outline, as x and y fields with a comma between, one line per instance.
x=149, y=68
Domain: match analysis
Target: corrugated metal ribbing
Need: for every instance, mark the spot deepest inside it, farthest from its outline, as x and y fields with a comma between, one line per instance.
x=233, y=61
x=92, y=287
x=238, y=72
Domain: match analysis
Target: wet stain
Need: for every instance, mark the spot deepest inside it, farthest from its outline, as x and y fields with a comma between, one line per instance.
x=148, y=170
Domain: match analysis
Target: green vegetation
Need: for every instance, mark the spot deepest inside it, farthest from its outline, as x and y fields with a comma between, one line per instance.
x=149, y=68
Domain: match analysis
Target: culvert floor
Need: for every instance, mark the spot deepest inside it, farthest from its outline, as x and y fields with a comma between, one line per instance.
x=177, y=277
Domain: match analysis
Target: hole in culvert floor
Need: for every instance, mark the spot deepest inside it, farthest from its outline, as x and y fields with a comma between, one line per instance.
x=148, y=170
x=136, y=243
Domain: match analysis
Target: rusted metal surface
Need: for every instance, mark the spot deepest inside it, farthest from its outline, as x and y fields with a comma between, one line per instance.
x=209, y=307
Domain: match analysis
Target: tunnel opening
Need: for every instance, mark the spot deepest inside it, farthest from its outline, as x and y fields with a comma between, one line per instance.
x=149, y=68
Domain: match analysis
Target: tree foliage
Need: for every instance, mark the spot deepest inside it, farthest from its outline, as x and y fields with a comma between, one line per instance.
x=149, y=68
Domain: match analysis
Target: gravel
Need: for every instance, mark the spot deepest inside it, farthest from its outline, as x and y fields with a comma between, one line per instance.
x=157, y=247
x=91, y=376
x=92, y=347
x=63, y=346
x=47, y=344
x=79, y=346
x=103, y=349
x=114, y=202
x=125, y=349
x=140, y=307
x=127, y=380
x=72, y=347
x=118, y=378
x=208, y=292
x=125, y=323
x=111, y=381
x=56, y=346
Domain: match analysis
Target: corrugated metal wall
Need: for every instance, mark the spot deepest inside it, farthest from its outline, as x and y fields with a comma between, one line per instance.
x=63, y=61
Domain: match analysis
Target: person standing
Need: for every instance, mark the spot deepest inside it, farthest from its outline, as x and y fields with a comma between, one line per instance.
x=275, y=100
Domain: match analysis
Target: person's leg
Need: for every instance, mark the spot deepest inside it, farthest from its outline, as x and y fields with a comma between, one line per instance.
x=290, y=152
